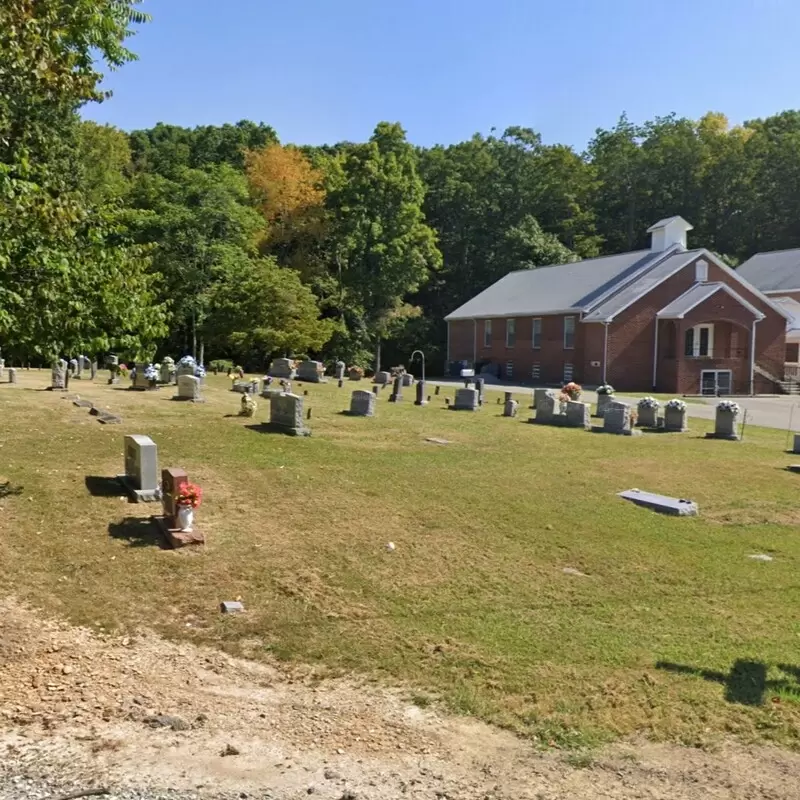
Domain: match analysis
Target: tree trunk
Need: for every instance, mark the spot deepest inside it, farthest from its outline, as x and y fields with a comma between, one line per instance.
x=378, y=356
x=202, y=352
x=194, y=337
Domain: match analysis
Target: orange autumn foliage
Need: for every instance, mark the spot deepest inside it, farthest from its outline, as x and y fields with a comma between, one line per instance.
x=286, y=187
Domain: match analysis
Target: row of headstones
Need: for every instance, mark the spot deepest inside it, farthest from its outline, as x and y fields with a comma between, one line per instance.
x=308, y=371
x=74, y=368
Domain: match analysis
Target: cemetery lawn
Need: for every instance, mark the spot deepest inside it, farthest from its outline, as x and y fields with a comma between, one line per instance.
x=672, y=632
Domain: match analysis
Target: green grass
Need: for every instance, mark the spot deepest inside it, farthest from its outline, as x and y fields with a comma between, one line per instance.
x=675, y=634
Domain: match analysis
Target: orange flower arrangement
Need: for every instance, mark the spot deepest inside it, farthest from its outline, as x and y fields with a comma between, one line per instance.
x=190, y=495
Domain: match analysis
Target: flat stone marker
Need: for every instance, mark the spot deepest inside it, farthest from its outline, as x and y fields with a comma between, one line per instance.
x=661, y=503
x=760, y=557
x=793, y=467
x=141, y=468
x=105, y=418
x=436, y=440
x=286, y=415
x=83, y=403
x=231, y=607
x=362, y=404
x=573, y=571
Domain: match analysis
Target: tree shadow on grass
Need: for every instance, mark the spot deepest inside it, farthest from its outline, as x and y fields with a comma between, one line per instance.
x=101, y=486
x=138, y=532
x=746, y=683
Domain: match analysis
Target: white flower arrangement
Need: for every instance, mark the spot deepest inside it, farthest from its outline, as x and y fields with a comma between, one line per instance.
x=729, y=406
x=199, y=371
x=605, y=388
x=649, y=402
x=676, y=404
x=187, y=361
x=151, y=373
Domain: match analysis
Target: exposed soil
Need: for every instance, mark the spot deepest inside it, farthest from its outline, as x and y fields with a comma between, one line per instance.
x=148, y=718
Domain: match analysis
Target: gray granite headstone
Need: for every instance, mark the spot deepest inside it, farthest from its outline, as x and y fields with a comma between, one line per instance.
x=648, y=417
x=58, y=376
x=510, y=407
x=725, y=425
x=674, y=419
x=139, y=381
x=796, y=448
x=167, y=370
x=548, y=406
x=286, y=414
x=538, y=395
x=281, y=368
x=141, y=467
x=310, y=372
x=93, y=370
x=189, y=389
x=382, y=378
x=339, y=370
x=480, y=385
x=616, y=417
x=408, y=379
x=467, y=399
x=578, y=415
x=362, y=403
x=602, y=402
x=12, y=375
x=397, y=392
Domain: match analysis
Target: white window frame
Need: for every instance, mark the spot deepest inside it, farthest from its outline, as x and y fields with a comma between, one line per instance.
x=511, y=332
x=701, y=271
x=569, y=346
x=534, y=322
x=696, y=341
x=487, y=333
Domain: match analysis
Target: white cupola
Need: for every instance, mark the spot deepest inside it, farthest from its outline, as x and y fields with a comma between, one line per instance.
x=668, y=232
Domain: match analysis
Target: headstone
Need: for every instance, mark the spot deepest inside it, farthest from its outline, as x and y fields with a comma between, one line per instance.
x=281, y=368
x=242, y=387
x=578, y=415
x=189, y=389
x=58, y=376
x=466, y=400
x=510, y=407
x=172, y=479
x=548, y=406
x=397, y=392
x=408, y=379
x=796, y=448
x=231, y=607
x=73, y=367
x=617, y=417
x=438, y=387
x=661, y=503
x=725, y=424
x=375, y=390
x=12, y=375
x=186, y=368
x=538, y=395
x=339, y=370
x=167, y=370
x=2, y=368
x=648, y=416
x=286, y=414
x=310, y=371
x=602, y=403
x=140, y=382
x=355, y=374
x=362, y=404
x=675, y=419
x=480, y=384
x=93, y=370
x=382, y=378
x=141, y=468
x=420, y=399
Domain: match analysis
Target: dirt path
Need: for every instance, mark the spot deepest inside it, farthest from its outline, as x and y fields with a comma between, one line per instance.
x=148, y=718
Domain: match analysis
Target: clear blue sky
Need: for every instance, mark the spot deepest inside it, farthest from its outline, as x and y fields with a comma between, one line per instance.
x=328, y=70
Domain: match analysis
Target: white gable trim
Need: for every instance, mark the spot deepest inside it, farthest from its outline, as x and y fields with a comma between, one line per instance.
x=718, y=262
x=720, y=287
x=780, y=292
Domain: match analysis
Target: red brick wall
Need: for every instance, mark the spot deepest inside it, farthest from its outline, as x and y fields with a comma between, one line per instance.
x=793, y=295
x=792, y=351
x=631, y=335
x=461, y=339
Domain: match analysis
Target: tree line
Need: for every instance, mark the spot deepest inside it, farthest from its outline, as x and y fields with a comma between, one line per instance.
x=222, y=241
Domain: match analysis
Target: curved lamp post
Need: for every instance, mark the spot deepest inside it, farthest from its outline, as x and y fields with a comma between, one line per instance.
x=422, y=356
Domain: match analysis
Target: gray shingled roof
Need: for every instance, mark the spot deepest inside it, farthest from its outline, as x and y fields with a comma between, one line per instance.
x=769, y=272
x=697, y=294
x=638, y=288
x=562, y=287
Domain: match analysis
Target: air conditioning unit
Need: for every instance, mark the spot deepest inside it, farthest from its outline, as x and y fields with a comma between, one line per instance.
x=595, y=363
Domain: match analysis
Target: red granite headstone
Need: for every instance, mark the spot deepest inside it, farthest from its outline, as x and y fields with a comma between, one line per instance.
x=172, y=479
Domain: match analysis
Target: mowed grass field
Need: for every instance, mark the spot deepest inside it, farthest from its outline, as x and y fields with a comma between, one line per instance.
x=673, y=632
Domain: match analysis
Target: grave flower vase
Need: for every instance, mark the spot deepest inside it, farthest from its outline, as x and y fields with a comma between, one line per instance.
x=185, y=518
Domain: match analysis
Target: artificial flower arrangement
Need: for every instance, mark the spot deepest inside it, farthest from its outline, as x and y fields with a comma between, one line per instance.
x=729, y=406
x=356, y=371
x=151, y=372
x=123, y=370
x=249, y=406
x=676, y=404
x=606, y=388
x=190, y=495
x=648, y=402
x=572, y=391
x=199, y=371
